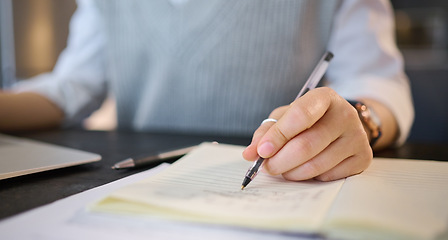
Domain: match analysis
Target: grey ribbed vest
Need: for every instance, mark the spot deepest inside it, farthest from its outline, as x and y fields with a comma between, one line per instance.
x=211, y=66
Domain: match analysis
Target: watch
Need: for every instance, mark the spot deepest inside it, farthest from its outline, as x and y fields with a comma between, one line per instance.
x=369, y=119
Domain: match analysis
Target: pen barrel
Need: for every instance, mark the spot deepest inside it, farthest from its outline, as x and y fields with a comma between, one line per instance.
x=253, y=171
x=169, y=155
x=146, y=160
x=317, y=74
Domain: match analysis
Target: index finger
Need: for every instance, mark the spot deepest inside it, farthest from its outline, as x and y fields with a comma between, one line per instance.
x=250, y=153
x=303, y=113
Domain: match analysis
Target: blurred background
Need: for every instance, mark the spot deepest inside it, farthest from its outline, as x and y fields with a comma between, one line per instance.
x=41, y=28
x=422, y=36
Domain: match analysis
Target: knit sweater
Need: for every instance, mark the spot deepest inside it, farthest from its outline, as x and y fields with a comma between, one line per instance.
x=214, y=66
x=221, y=66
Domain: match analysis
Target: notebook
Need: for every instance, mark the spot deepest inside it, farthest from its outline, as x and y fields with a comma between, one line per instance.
x=392, y=199
x=20, y=156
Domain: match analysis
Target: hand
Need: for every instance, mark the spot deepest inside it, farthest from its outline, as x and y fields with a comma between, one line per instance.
x=319, y=135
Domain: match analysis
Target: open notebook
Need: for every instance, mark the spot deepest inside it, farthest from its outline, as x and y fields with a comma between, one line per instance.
x=392, y=199
x=20, y=156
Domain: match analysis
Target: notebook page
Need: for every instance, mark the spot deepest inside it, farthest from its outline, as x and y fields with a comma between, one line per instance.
x=205, y=186
x=393, y=199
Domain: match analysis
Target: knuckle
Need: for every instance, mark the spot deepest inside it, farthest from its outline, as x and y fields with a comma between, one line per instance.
x=363, y=162
x=271, y=167
x=362, y=134
x=290, y=176
x=350, y=112
x=365, y=141
x=304, y=145
x=302, y=114
x=300, y=109
x=258, y=134
x=307, y=115
x=278, y=112
x=329, y=93
x=312, y=168
x=306, y=112
x=326, y=177
x=272, y=171
x=279, y=133
x=366, y=157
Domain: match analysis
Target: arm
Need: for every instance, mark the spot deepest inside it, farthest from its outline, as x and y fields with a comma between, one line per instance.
x=368, y=66
x=27, y=111
x=320, y=134
x=389, y=127
x=73, y=90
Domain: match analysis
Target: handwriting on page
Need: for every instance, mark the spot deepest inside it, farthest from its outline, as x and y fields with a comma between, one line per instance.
x=212, y=186
x=207, y=184
x=250, y=200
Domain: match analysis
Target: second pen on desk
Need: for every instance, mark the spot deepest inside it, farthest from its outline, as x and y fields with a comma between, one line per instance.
x=311, y=83
x=137, y=162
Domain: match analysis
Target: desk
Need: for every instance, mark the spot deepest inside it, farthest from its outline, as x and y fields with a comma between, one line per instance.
x=50, y=186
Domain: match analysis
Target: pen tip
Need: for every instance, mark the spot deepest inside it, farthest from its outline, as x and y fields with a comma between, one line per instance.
x=242, y=187
x=115, y=167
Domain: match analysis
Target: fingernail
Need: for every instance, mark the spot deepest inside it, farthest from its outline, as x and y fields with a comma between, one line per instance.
x=266, y=149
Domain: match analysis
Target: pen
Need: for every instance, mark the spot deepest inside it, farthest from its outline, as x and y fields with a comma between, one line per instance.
x=311, y=83
x=131, y=162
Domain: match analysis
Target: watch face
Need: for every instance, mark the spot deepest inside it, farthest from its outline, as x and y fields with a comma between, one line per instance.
x=374, y=117
x=374, y=123
x=369, y=119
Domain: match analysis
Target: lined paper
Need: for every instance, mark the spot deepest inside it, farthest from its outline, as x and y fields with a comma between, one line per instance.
x=393, y=199
x=205, y=186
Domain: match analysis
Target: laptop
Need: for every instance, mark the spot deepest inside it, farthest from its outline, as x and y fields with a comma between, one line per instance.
x=20, y=156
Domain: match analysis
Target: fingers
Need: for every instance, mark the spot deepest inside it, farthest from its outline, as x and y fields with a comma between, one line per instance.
x=340, y=159
x=250, y=153
x=349, y=167
x=337, y=136
x=317, y=136
x=306, y=145
x=301, y=115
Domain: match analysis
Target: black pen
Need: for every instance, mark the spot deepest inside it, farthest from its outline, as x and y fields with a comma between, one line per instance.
x=311, y=83
x=131, y=162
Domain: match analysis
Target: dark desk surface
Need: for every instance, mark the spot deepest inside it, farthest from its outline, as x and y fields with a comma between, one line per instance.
x=26, y=192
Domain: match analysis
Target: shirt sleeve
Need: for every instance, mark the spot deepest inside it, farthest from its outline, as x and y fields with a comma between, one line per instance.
x=77, y=84
x=367, y=63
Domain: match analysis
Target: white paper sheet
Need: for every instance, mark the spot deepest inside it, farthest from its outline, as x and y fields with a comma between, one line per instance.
x=204, y=186
x=68, y=219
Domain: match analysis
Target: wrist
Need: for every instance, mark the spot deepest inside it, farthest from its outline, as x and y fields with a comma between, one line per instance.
x=369, y=119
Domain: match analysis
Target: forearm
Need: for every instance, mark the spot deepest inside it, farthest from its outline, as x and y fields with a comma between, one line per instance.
x=27, y=111
x=389, y=128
